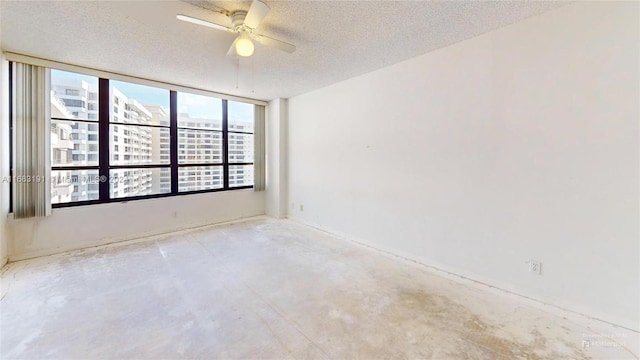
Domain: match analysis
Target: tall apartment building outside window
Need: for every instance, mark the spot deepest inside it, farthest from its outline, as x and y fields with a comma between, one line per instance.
x=139, y=141
x=241, y=117
x=74, y=137
x=138, y=125
x=200, y=141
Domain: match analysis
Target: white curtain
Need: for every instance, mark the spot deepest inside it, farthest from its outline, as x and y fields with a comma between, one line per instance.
x=31, y=141
x=259, y=158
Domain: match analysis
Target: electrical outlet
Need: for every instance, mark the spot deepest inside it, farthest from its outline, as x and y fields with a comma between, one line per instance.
x=535, y=267
x=301, y=207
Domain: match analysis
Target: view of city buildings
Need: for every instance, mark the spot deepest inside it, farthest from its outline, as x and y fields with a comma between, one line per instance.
x=140, y=135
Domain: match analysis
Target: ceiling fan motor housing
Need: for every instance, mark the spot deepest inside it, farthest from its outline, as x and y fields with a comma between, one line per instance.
x=237, y=19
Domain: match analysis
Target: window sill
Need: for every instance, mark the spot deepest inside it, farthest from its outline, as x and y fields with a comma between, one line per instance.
x=146, y=197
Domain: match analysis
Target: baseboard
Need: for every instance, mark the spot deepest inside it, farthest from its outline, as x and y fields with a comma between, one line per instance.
x=129, y=240
x=561, y=310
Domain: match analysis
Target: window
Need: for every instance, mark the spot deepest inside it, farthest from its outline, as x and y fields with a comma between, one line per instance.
x=73, y=169
x=73, y=103
x=200, y=142
x=112, y=140
x=146, y=112
x=241, y=119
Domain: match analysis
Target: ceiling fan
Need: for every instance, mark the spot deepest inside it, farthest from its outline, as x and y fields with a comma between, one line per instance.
x=244, y=23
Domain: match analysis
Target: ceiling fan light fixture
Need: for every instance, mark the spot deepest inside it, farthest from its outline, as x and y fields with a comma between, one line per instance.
x=244, y=23
x=244, y=46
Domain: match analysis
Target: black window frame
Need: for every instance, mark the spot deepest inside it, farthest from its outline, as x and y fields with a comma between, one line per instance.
x=104, y=155
x=226, y=147
x=224, y=163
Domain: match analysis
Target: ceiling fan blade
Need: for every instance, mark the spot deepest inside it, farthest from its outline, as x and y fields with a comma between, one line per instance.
x=232, y=49
x=203, y=23
x=280, y=45
x=257, y=12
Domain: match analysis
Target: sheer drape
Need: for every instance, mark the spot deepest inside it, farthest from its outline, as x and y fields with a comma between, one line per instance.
x=259, y=157
x=31, y=124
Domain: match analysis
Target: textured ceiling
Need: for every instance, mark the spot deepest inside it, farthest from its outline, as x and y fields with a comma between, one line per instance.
x=336, y=40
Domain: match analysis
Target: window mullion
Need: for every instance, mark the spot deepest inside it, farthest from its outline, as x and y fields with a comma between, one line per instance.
x=225, y=144
x=11, y=136
x=173, y=140
x=103, y=138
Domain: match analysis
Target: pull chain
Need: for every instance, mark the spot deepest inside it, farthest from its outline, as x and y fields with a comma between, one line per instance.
x=253, y=70
x=237, y=71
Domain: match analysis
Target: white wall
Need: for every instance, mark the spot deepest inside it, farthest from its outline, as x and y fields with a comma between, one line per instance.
x=276, y=145
x=84, y=226
x=518, y=144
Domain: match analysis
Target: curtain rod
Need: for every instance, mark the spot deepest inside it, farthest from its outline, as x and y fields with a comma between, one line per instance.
x=32, y=60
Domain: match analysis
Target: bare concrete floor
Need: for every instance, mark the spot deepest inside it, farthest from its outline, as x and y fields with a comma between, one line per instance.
x=268, y=289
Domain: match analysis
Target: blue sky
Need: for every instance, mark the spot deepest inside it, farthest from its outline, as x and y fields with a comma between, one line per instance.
x=59, y=74
x=196, y=106
x=144, y=94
